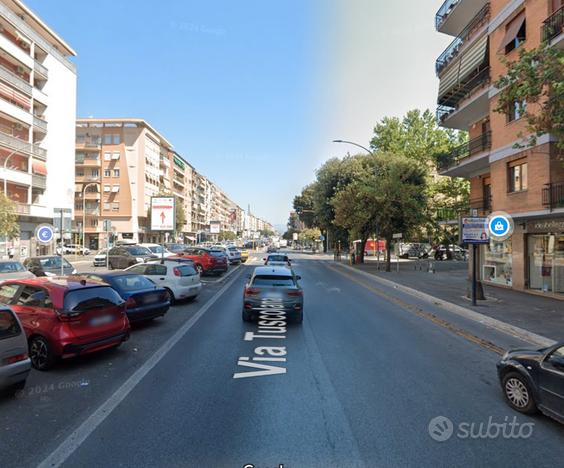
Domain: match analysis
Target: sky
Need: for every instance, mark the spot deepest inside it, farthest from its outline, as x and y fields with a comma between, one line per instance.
x=253, y=92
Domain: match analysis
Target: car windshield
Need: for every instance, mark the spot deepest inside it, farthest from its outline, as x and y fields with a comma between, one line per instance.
x=277, y=258
x=273, y=280
x=11, y=267
x=217, y=253
x=138, y=250
x=54, y=262
x=131, y=283
x=176, y=247
x=85, y=299
x=9, y=326
x=156, y=249
x=232, y=248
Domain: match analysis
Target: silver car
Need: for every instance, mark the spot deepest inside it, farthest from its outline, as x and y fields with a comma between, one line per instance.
x=12, y=269
x=273, y=288
x=277, y=260
x=14, y=359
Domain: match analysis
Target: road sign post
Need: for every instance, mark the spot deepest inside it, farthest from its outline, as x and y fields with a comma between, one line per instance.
x=163, y=214
x=475, y=232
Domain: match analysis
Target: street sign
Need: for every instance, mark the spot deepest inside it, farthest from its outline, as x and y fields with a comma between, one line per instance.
x=475, y=230
x=321, y=237
x=500, y=226
x=397, y=235
x=45, y=233
x=215, y=227
x=162, y=214
x=295, y=236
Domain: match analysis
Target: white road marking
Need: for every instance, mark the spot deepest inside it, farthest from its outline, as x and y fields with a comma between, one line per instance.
x=79, y=435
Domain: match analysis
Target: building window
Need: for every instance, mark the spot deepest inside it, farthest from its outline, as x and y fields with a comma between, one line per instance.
x=93, y=222
x=518, y=176
x=518, y=39
x=516, y=110
x=106, y=206
x=107, y=156
x=95, y=173
x=116, y=172
x=79, y=173
x=115, y=206
x=115, y=188
x=107, y=139
x=107, y=173
x=107, y=188
x=115, y=156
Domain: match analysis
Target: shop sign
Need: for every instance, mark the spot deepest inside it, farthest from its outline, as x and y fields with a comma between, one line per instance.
x=546, y=225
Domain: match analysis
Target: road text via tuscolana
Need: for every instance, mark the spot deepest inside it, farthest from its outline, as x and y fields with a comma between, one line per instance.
x=269, y=355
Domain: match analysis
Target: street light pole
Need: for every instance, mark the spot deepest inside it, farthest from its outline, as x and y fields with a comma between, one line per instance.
x=354, y=144
x=83, y=215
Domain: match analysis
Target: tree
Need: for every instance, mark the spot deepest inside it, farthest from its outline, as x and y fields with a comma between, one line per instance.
x=267, y=233
x=303, y=205
x=9, y=227
x=534, y=83
x=309, y=235
x=226, y=236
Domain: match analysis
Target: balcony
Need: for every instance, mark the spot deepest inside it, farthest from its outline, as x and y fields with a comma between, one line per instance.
x=553, y=196
x=453, y=15
x=465, y=103
x=462, y=40
x=39, y=181
x=16, y=81
x=461, y=161
x=481, y=206
x=39, y=123
x=22, y=146
x=89, y=162
x=86, y=178
x=553, y=29
x=41, y=69
x=89, y=145
x=22, y=208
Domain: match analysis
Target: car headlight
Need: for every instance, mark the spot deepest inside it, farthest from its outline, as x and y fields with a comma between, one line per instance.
x=505, y=357
x=139, y=260
x=74, y=272
x=48, y=273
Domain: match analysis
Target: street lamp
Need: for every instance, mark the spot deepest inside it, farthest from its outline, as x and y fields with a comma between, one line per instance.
x=354, y=144
x=83, y=215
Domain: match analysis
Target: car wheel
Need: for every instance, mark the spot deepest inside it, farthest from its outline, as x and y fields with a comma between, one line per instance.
x=246, y=315
x=518, y=393
x=171, y=295
x=199, y=269
x=40, y=353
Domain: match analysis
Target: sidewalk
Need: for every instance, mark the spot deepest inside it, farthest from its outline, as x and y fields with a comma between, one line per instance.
x=540, y=315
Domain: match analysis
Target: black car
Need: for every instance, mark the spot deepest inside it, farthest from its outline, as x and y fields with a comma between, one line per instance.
x=143, y=299
x=124, y=256
x=534, y=380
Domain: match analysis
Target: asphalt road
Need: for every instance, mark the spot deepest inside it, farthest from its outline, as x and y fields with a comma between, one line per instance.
x=363, y=377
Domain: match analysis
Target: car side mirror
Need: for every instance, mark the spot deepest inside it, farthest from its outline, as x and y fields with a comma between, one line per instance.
x=557, y=361
x=298, y=277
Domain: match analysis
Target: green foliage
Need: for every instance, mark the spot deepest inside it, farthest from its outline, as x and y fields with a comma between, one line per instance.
x=535, y=81
x=309, y=235
x=9, y=226
x=267, y=233
x=226, y=236
x=303, y=204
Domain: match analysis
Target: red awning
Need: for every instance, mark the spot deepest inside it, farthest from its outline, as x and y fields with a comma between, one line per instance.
x=39, y=167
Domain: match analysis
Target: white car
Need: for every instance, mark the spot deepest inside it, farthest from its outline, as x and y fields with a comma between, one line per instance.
x=178, y=277
x=232, y=253
x=100, y=258
x=157, y=249
x=73, y=249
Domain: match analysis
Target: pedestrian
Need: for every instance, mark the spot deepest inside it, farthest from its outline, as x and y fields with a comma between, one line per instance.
x=11, y=252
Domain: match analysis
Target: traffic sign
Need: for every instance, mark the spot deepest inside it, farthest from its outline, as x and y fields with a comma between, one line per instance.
x=45, y=233
x=500, y=226
x=321, y=237
x=397, y=235
x=475, y=230
x=162, y=214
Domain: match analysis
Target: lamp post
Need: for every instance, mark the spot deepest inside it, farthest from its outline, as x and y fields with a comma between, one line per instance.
x=354, y=144
x=83, y=215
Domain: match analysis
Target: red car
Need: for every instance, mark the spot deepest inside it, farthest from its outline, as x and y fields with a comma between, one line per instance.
x=66, y=316
x=206, y=261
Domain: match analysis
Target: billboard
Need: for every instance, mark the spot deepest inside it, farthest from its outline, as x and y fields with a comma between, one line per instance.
x=215, y=227
x=162, y=214
x=475, y=230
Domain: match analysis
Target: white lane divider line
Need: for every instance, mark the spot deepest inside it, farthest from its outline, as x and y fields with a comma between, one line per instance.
x=80, y=434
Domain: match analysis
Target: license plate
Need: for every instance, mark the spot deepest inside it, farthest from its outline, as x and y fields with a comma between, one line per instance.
x=151, y=298
x=102, y=320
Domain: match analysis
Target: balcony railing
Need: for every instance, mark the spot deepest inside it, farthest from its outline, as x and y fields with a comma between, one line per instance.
x=15, y=80
x=444, y=11
x=553, y=196
x=451, y=52
x=41, y=69
x=470, y=148
x=461, y=92
x=39, y=181
x=39, y=123
x=22, y=208
x=553, y=26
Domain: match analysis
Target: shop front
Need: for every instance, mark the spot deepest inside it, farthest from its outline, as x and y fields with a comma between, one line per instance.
x=497, y=262
x=545, y=255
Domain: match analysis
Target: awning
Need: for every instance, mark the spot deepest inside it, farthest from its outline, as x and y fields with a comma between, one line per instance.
x=512, y=30
x=39, y=167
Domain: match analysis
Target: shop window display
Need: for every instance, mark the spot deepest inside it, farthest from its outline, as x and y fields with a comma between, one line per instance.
x=497, y=263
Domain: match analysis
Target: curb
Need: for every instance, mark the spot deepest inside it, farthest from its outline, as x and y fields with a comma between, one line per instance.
x=504, y=327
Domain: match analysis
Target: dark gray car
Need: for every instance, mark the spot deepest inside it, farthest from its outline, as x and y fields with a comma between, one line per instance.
x=124, y=256
x=273, y=288
x=49, y=265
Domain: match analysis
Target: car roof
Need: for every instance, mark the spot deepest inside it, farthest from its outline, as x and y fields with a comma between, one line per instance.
x=6, y=260
x=109, y=274
x=56, y=282
x=272, y=270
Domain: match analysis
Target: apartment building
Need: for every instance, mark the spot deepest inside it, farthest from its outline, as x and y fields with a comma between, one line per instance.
x=526, y=182
x=118, y=168
x=37, y=122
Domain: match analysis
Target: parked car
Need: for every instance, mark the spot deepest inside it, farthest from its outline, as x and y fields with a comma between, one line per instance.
x=123, y=256
x=273, y=283
x=244, y=255
x=178, y=277
x=207, y=261
x=65, y=317
x=271, y=249
x=100, y=258
x=144, y=300
x=454, y=252
x=49, y=265
x=277, y=260
x=15, y=363
x=158, y=250
x=414, y=250
x=533, y=380
x=231, y=252
x=72, y=249
x=176, y=248
x=12, y=269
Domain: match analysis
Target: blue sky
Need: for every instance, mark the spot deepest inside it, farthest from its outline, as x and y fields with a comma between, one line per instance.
x=252, y=92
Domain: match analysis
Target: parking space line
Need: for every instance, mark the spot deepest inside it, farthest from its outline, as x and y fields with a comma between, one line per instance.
x=80, y=434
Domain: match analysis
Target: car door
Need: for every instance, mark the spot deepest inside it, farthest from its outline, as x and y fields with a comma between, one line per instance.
x=551, y=381
x=35, y=309
x=157, y=273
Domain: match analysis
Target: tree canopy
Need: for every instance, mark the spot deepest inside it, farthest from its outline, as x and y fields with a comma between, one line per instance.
x=9, y=226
